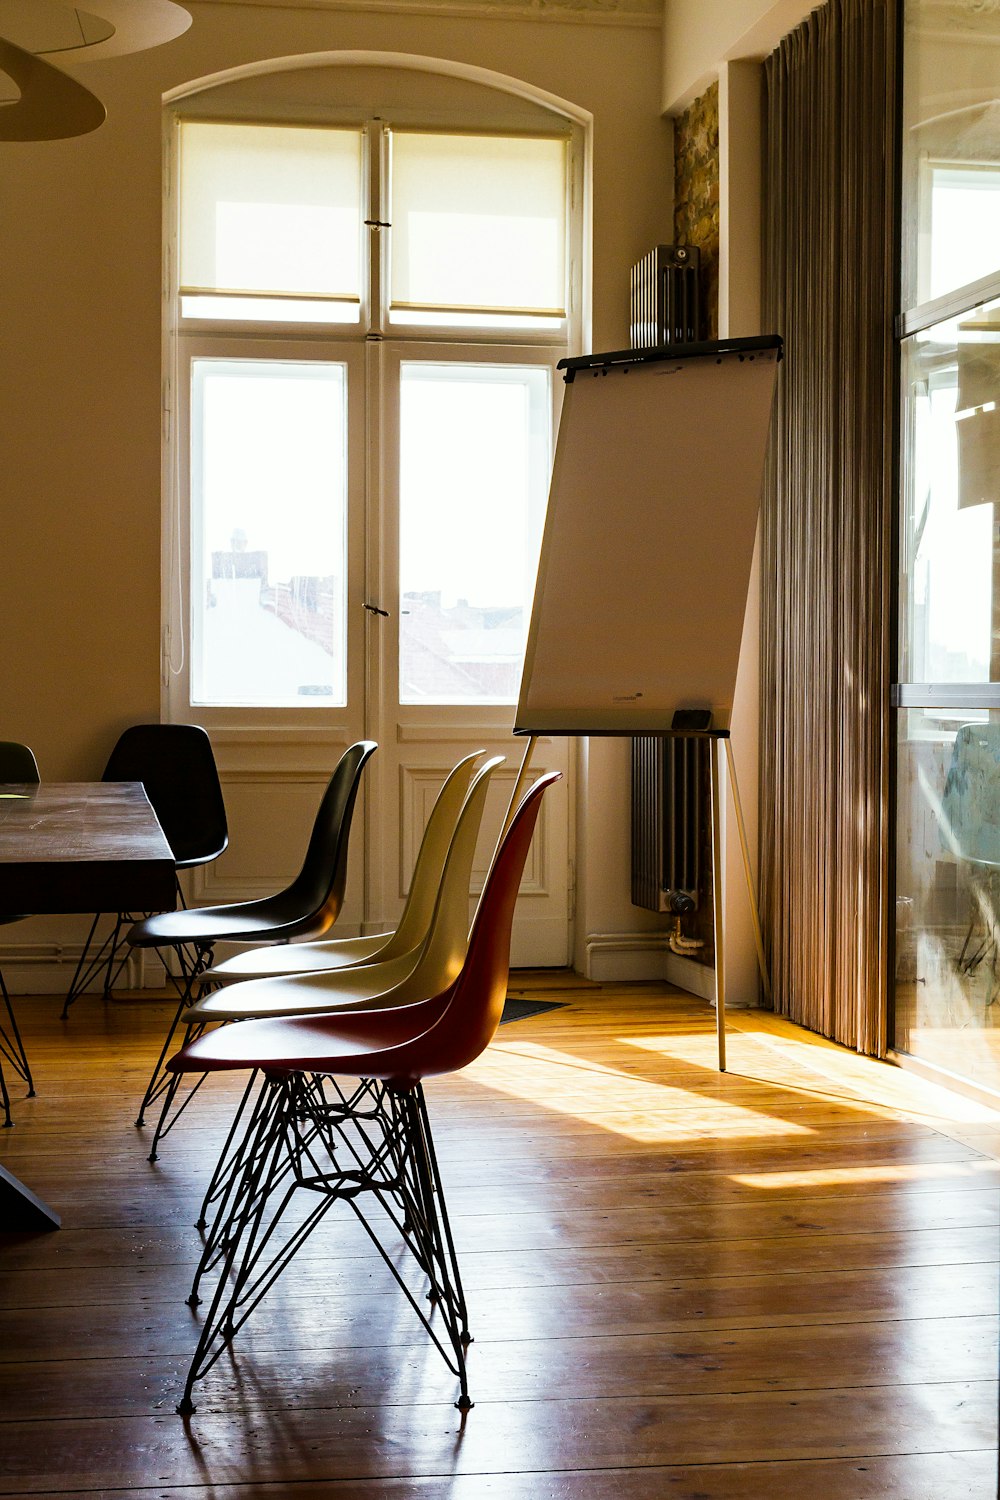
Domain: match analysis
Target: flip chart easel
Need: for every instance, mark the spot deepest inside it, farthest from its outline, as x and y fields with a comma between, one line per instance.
x=646, y=555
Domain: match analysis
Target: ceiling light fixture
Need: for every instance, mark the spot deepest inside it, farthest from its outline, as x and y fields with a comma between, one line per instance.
x=46, y=103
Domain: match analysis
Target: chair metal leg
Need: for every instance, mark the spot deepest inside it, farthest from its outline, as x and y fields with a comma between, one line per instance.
x=5, y=1099
x=435, y=1178
x=161, y=1082
x=233, y=1159
x=300, y=1136
x=84, y=971
x=168, y=1089
x=114, y=954
x=11, y=1045
x=248, y=1232
x=224, y=1166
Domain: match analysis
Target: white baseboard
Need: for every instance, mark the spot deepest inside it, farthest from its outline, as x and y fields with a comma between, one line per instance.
x=48, y=969
x=633, y=957
x=623, y=956
x=697, y=979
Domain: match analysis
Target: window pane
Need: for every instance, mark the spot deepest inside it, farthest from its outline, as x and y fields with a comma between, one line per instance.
x=947, y=983
x=950, y=556
x=268, y=208
x=478, y=222
x=965, y=226
x=474, y=470
x=951, y=148
x=268, y=508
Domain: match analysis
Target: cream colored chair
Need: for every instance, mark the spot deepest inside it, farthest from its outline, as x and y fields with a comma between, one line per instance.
x=392, y=984
x=382, y=983
x=262, y=962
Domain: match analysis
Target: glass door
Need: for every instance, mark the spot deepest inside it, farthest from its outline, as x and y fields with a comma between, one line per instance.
x=367, y=320
x=948, y=780
x=468, y=439
x=947, y=979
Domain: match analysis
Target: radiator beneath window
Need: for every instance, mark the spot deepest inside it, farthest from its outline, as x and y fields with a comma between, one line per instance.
x=665, y=304
x=669, y=777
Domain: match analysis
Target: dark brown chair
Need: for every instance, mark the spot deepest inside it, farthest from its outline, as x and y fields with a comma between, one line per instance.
x=176, y=766
x=18, y=767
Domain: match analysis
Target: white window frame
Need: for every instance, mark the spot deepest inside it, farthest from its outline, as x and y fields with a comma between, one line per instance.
x=186, y=339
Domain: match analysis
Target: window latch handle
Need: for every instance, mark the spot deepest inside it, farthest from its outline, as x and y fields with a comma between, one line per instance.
x=373, y=609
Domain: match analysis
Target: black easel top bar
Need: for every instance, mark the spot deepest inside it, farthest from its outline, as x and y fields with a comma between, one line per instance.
x=624, y=734
x=766, y=342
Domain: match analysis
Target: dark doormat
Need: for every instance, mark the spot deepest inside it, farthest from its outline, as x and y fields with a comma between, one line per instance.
x=519, y=1010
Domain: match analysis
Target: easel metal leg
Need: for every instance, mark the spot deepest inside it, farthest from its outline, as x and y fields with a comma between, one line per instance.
x=717, y=902
x=522, y=777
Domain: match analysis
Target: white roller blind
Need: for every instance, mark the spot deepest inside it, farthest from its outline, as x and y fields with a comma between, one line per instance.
x=270, y=209
x=478, y=222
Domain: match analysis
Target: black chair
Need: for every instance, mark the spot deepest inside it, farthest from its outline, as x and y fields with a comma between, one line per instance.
x=17, y=767
x=306, y=909
x=177, y=769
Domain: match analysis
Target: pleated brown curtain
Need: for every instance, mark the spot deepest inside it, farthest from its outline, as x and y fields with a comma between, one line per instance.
x=829, y=278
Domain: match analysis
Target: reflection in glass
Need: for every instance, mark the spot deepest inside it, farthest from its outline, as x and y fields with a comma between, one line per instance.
x=473, y=477
x=268, y=516
x=948, y=890
x=947, y=983
x=949, y=554
x=951, y=147
x=270, y=209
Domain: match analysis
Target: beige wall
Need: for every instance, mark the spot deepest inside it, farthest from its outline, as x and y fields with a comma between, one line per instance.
x=80, y=320
x=700, y=35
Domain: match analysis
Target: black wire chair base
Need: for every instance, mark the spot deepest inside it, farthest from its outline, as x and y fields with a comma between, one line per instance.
x=5, y=1100
x=113, y=955
x=12, y=1050
x=304, y=1135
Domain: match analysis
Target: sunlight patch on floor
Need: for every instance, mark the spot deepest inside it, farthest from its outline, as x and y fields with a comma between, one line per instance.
x=902, y=1172
x=636, y=1108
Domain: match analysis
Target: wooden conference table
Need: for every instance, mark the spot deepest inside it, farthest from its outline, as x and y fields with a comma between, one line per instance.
x=76, y=847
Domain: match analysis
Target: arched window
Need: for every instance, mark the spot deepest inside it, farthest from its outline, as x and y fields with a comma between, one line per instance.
x=373, y=269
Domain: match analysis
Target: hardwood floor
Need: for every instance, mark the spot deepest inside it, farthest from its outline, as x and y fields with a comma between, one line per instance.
x=780, y=1282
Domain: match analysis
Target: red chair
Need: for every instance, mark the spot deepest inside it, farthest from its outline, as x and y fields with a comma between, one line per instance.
x=308, y=1135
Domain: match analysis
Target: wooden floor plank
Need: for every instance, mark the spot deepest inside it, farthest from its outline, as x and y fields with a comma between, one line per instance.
x=301, y=1361
x=780, y=1281
x=951, y=1476
x=249, y=1443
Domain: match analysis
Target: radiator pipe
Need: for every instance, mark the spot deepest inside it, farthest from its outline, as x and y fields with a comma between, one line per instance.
x=684, y=945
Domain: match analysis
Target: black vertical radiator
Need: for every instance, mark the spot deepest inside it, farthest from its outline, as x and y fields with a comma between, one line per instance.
x=665, y=305
x=669, y=832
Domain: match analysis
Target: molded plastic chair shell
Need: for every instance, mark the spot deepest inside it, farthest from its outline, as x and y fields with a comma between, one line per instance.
x=17, y=764
x=307, y=907
x=438, y=1034
x=292, y=1138
x=414, y=924
x=430, y=967
x=177, y=769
